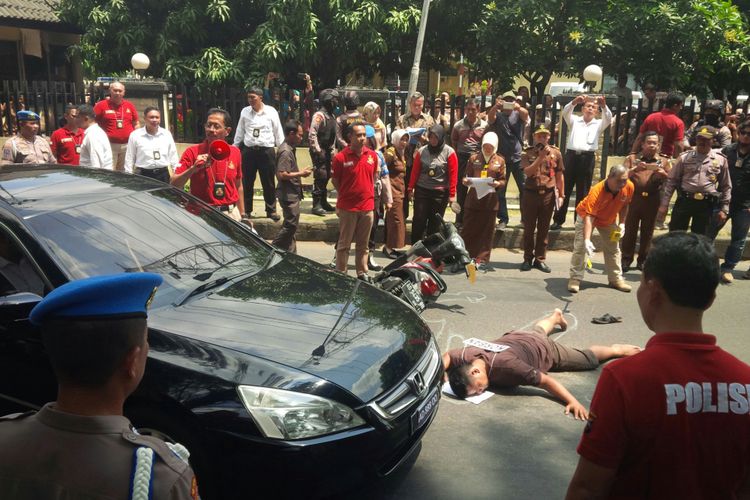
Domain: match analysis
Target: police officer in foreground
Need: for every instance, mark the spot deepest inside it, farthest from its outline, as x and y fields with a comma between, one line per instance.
x=701, y=179
x=81, y=446
x=322, y=138
x=26, y=146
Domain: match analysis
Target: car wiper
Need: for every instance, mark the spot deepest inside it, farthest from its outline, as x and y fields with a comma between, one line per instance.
x=200, y=289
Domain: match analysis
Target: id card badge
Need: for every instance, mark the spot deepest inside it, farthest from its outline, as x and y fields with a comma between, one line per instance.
x=119, y=123
x=157, y=155
x=483, y=174
x=219, y=191
x=256, y=132
x=78, y=149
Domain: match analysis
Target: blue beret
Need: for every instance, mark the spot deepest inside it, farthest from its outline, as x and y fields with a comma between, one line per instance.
x=126, y=295
x=25, y=115
x=369, y=131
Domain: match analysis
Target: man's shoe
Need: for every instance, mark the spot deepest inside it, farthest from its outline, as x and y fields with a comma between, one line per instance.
x=501, y=226
x=621, y=286
x=626, y=266
x=726, y=277
x=327, y=206
x=555, y=227
x=319, y=211
x=526, y=266
x=542, y=266
x=372, y=265
x=274, y=217
x=746, y=276
x=574, y=285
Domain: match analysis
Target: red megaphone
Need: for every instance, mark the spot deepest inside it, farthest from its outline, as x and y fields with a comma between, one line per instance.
x=219, y=150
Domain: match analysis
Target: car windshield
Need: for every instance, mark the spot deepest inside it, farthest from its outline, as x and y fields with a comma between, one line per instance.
x=161, y=231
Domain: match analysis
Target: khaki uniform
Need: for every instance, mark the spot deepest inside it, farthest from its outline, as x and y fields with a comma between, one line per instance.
x=538, y=201
x=54, y=455
x=17, y=149
x=478, y=231
x=644, y=207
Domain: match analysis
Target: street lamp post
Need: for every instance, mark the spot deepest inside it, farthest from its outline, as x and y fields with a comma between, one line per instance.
x=592, y=74
x=140, y=62
x=418, y=49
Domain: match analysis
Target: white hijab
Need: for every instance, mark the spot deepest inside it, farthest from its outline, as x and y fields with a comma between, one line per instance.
x=489, y=138
x=396, y=136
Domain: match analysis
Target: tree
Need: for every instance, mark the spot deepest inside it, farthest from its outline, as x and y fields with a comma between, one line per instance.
x=212, y=42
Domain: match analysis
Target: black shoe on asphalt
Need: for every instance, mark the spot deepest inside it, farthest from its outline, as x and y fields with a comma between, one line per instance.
x=372, y=265
x=625, y=267
x=526, y=266
x=274, y=217
x=328, y=207
x=319, y=211
x=542, y=266
x=555, y=227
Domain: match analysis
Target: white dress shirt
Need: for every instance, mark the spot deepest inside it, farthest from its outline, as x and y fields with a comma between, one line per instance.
x=259, y=129
x=95, y=149
x=582, y=135
x=150, y=151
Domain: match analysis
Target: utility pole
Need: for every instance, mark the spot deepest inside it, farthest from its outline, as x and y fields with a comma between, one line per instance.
x=418, y=50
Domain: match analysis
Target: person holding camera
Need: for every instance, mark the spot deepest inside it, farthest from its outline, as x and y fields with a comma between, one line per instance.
x=509, y=125
x=217, y=182
x=543, y=190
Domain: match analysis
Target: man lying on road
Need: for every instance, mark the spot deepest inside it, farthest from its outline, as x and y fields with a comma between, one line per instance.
x=524, y=358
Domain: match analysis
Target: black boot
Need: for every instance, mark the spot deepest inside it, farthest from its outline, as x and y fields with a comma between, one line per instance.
x=317, y=209
x=324, y=202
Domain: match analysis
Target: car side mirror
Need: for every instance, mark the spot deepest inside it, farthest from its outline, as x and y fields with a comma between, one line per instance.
x=17, y=305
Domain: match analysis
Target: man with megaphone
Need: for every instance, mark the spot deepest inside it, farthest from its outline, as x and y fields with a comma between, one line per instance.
x=214, y=168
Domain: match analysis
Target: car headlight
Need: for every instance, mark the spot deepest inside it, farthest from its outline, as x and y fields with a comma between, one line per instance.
x=284, y=414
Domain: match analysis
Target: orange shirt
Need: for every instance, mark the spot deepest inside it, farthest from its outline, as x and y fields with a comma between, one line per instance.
x=602, y=205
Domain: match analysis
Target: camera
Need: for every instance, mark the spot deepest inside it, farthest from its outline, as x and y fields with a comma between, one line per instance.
x=508, y=105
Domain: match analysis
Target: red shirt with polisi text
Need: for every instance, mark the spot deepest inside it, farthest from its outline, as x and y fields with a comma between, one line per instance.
x=356, y=179
x=673, y=420
x=63, y=144
x=108, y=115
x=202, y=182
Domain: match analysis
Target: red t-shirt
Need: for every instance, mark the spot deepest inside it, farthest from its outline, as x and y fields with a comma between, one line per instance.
x=109, y=116
x=668, y=125
x=66, y=145
x=356, y=179
x=202, y=182
x=673, y=420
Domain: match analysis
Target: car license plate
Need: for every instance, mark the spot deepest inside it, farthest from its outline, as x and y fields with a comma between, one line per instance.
x=412, y=296
x=425, y=410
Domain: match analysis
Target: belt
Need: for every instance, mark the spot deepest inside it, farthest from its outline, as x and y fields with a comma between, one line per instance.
x=540, y=190
x=225, y=208
x=577, y=152
x=698, y=196
x=138, y=170
x=259, y=148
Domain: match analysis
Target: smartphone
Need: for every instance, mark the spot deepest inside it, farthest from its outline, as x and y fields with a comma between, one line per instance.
x=508, y=105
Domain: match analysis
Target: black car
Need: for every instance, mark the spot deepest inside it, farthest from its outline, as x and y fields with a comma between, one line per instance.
x=281, y=376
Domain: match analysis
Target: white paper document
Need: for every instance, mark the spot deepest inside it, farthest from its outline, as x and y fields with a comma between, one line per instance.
x=482, y=185
x=479, y=398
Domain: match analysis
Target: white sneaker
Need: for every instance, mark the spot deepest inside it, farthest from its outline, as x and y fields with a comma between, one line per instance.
x=726, y=277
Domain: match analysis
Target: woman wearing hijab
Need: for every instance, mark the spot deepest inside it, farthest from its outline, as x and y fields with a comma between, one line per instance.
x=371, y=114
x=395, y=227
x=478, y=230
x=433, y=180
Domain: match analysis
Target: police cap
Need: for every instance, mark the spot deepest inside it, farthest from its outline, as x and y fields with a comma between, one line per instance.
x=706, y=131
x=118, y=296
x=27, y=116
x=328, y=95
x=542, y=129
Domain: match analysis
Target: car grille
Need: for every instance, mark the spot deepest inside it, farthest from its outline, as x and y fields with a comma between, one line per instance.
x=413, y=388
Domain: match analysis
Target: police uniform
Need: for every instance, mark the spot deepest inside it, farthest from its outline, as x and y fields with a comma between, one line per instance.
x=702, y=184
x=406, y=121
x=54, y=454
x=538, y=201
x=18, y=149
x=644, y=207
x=322, y=138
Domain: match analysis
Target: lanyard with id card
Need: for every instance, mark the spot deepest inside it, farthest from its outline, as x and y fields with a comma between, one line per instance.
x=483, y=173
x=157, y=154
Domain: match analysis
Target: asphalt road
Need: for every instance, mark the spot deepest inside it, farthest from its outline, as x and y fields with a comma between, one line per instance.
x=520, y=444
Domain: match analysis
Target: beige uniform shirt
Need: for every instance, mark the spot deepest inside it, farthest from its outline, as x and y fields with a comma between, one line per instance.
x=54, y=455
x=694, y=172
x=19, y=150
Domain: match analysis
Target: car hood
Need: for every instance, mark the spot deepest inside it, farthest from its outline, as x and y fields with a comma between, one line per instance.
x=309, y=318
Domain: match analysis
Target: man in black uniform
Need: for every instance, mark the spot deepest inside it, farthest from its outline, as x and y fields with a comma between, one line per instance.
x=322, y=138
x=349, y=116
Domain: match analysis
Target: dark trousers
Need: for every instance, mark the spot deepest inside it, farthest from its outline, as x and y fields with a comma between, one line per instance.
x=321, y=175
x=258, y=161
x=377, y=216
x=461, y=190
x=409, y=155
x=579, y=172
x=537, y=209
x=286, y=239
x=642, y=212
x=693, y=213
x=511, y=168
x=160, y=174
x=427, y=204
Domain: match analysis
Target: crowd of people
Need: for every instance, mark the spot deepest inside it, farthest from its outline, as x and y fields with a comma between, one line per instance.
x=431, y=161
